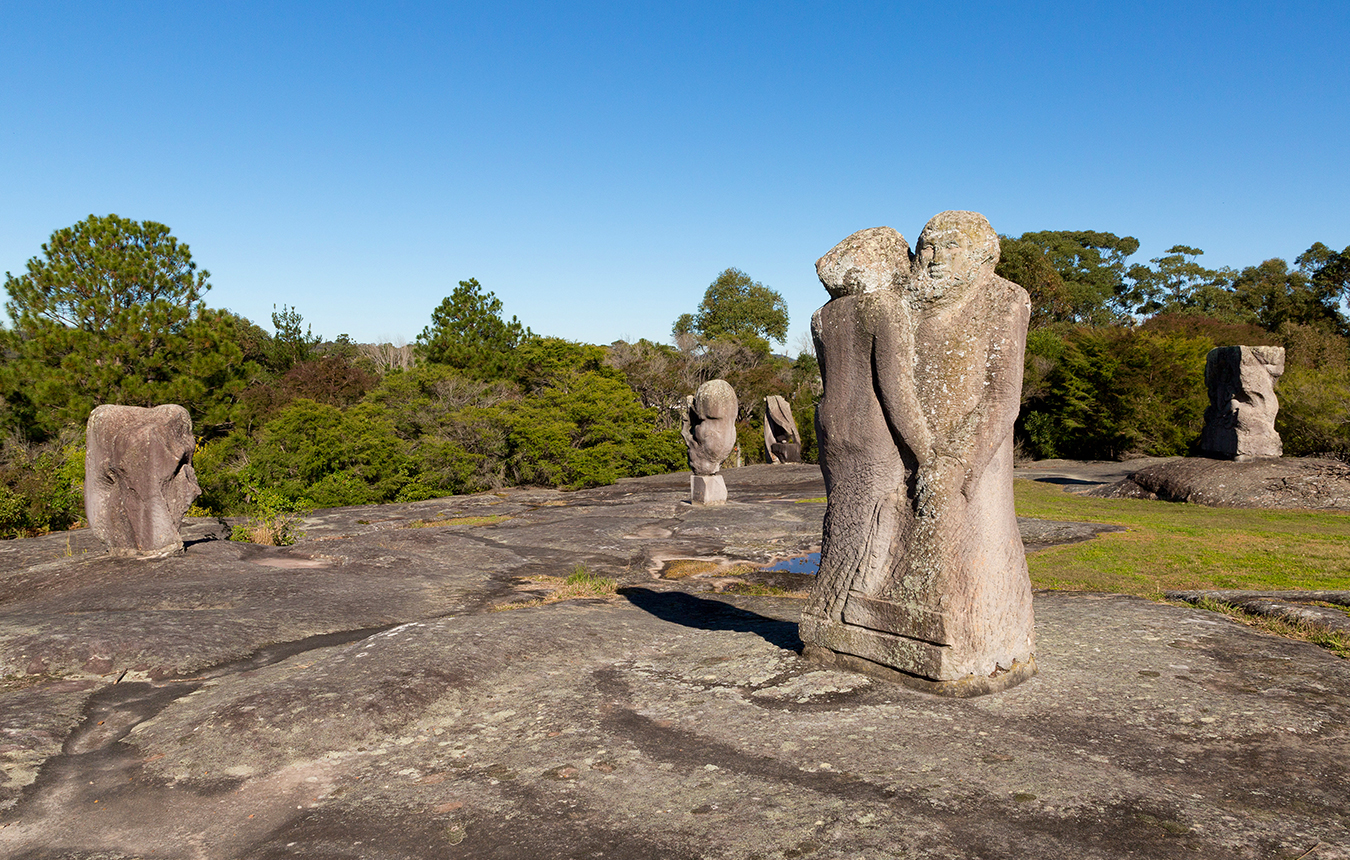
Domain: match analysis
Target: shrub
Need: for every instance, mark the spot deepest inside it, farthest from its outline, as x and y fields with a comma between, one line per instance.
x=41, y=487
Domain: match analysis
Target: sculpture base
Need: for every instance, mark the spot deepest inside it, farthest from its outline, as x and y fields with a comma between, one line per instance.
x=707, y=490
x=166, y=551
x=961, y=688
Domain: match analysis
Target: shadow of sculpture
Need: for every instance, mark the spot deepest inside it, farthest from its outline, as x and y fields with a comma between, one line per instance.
x=703, y=613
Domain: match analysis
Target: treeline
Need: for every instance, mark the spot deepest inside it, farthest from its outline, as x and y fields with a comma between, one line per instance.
x=113, y=312
x=1116, y=352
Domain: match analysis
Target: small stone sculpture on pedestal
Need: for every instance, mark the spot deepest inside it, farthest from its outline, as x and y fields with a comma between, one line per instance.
x=781, y=439
x=1240, y=419
x=923, y=576
x=709, y=429
x=138, y=478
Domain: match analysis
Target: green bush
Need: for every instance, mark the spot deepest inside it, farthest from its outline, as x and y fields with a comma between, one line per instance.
x=41, y=487
x=1110, y=393
x=1314, y=416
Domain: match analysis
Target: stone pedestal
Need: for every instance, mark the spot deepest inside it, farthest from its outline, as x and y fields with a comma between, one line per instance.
x=707, y=490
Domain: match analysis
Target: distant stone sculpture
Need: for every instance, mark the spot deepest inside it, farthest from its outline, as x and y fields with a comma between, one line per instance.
x=923, y=576
x=1240, y=419
x=709, y=429
x=138, y=478
x=781, y=439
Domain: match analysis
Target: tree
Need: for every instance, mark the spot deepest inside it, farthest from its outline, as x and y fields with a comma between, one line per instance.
x=1027, y=264
x=738, y=308
x=467, y=332
x=1174, y=282
x=291, y=344
x=1092, y=266
x=112, y=313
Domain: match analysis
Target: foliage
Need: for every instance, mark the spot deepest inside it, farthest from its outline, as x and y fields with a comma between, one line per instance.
x=333, y=458
x=112, y=313
x=1027, y=264
x=273, y=521
x=740, y=309
x=453, y=427
x=587, y=428
x=1091, y=265
x=1112, y=392
x=291, y=344
x=1169, y=546
x=41, y=487
x=1171, y=283
x=467, y=333
x=1314, y=416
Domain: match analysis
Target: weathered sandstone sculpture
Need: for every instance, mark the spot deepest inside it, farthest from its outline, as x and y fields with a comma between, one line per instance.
x=1240, y=419
x=709, y=429
x=923, y=575
x=781, y=439
x=138, y=478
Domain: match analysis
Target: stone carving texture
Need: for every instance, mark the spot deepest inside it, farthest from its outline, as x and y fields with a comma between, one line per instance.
x=709, y=426
x=138, y=478
x=781, y=439
x=1240, y=419
x=923, y=574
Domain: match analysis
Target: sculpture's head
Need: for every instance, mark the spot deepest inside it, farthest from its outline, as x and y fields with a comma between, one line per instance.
x=867, y=261
x=956, y=249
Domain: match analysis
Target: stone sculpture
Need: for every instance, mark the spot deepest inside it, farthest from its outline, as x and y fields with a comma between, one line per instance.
x=138, y=478
x=923, y=574
x=1240, y=419
x=781, y=439
x=709, y=429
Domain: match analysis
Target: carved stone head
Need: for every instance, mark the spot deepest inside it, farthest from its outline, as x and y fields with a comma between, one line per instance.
x=956, y=249
x=874, y=259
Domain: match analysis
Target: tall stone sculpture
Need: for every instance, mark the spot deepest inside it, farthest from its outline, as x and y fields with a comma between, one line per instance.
x=923, y=576
x=138, y=478
x=1240, y=419
x=709, y=429
x=781, y=439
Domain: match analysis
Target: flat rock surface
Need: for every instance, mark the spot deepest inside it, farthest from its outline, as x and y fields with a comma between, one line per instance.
x=1275, y=483
x=357, y=696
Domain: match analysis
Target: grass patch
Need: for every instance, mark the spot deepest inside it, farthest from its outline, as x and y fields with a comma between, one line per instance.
x=1181, y=547
x=820, y=501
x=1336, y=641
x=491, y=519
x=756, y=589
x=683, y=568
x=577, y=584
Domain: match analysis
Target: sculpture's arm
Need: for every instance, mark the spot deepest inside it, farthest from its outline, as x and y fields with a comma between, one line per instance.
x=984, y=428
x=893, y=366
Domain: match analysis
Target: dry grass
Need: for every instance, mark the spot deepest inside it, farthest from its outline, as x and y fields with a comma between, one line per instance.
x=683, y=568
x=578, y=584
x=488, y=520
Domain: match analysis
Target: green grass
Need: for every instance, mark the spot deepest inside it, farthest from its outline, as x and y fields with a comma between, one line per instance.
x=1170, y=546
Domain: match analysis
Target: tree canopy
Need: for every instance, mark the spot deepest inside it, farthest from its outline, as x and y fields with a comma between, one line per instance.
x=112, y=312
x=738, y=308
x=467, y=332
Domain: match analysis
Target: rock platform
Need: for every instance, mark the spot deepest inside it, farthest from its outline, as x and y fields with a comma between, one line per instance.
x=368, y=693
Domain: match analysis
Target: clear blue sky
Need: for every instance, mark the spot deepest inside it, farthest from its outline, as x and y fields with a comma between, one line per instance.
x=596, y=165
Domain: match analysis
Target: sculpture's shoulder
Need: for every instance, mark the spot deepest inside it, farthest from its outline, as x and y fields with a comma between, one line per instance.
x=1012, y=302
